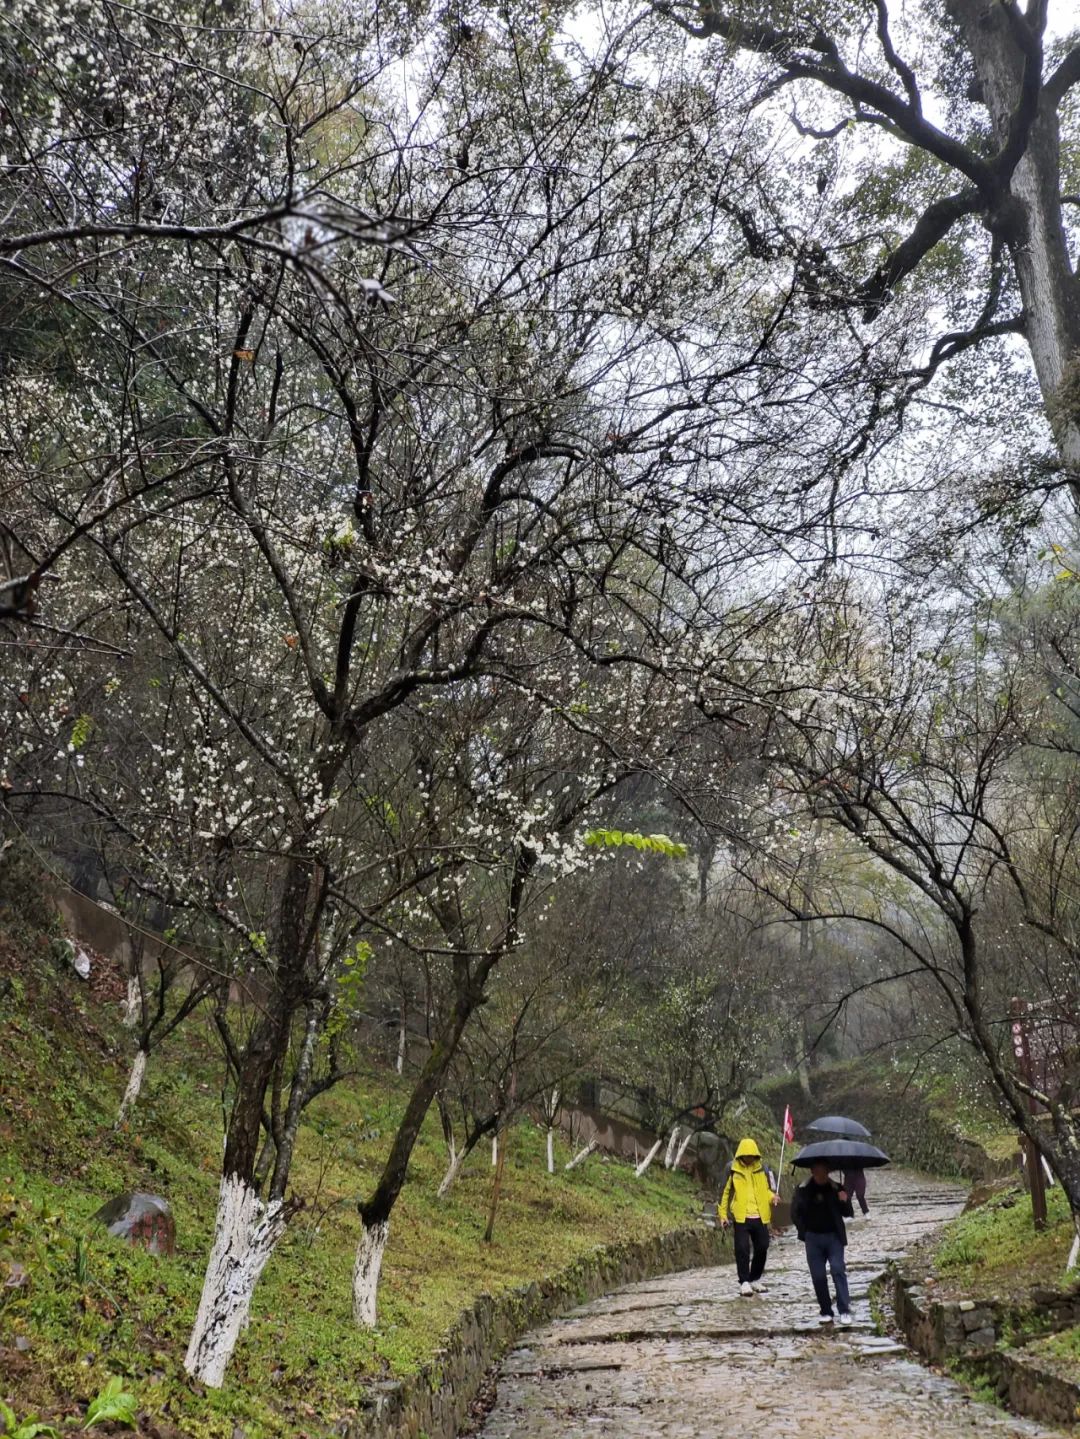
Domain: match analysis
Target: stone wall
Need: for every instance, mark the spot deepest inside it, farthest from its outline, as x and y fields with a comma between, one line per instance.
x=969, y=1332
x=434, y=1403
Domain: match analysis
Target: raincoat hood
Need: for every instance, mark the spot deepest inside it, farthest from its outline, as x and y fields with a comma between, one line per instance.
x=747, y=1150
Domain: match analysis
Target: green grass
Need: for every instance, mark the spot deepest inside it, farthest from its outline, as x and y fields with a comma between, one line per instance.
x=92, y=1308
x=1060, y=1353
x=996, y=1251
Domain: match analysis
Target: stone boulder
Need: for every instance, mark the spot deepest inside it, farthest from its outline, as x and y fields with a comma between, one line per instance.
x=143, y=1220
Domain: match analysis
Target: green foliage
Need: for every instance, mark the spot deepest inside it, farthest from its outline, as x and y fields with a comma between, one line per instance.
x=996, y=1249
x=81, y=731
x=350, y=987
x=113, y=1404
x=647, y=843
x=27, y=1429
x=130, y=1312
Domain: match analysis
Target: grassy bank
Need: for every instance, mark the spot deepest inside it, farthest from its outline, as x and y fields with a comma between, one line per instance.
x=85, y=1308
x=996, y=1252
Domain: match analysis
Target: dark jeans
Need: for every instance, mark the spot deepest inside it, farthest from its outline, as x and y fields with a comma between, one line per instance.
x=855, y=1184
x=751, y=1236
x=824, y=1251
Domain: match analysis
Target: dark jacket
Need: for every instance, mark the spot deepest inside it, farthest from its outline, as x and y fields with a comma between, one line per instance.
x=838, y=1209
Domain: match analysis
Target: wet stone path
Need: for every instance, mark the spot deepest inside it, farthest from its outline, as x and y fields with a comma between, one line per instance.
x=685, y=1356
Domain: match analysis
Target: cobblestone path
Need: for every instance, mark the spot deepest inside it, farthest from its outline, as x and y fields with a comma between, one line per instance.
x=686, y=1357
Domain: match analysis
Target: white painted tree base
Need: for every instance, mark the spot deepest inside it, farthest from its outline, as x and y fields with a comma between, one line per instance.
x=132, y=1004
x=134, y=1086
x=453, y=1169
x=643, y=1166
x=366, y=1271
x=672, y=1144
x=246, y=1233
x=581, y=1156
x=680, y=1152
x=551, y=1151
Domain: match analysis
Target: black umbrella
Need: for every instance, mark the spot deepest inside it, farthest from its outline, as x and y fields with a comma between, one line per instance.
x=841, y=1154
x=838, y=1124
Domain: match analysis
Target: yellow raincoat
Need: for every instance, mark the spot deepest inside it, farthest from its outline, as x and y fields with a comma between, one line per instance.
x=749, y=1186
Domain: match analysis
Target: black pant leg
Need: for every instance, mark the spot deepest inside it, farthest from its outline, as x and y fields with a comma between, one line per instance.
x=742, y=1252
x=759, y=1238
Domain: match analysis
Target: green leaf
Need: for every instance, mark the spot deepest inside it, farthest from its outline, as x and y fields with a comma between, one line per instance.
x=649, y=843
x=114, y=1403
x=81, y=731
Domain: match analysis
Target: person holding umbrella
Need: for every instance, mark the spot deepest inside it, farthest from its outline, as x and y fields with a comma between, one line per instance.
x=854, y=1174
x=747, y=1201
x=818, y=1211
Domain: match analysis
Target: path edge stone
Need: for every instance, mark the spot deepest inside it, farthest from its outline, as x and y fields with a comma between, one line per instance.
x=435, y=1401
x=973, y=1335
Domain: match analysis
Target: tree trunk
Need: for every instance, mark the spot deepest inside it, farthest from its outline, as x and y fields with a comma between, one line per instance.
x=134, y=1085
x=1029, y=218
x=133, y=1002
x=453, y=1169
x=683, y=1147
x=552, y=1116
x=297, y=1096
x=496, y=1190
x=246, y=1231
x=245, y=1235
x=366, y=1271
x=263, y=1163
x=375, y=1212
x=643, y=1166
x=669, y=1152
x=403, y=1035
x=494, y=1150
x=582, y=1155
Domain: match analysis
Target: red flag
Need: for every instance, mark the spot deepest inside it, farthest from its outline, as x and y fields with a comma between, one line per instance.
x=789, y=1127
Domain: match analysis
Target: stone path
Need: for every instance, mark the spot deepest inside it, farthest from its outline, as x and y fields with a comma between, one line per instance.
x=685, y=1357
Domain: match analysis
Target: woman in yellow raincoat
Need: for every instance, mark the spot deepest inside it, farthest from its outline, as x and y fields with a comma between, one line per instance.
x=747, y=1201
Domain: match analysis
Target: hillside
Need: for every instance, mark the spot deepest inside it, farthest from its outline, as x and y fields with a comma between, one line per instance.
x=939, y=1120
x=78, y=1307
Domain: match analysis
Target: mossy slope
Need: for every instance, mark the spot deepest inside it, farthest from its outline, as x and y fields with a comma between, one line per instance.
x=91, y=1308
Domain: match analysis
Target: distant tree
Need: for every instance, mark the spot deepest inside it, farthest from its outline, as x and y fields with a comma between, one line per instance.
x=937, y=147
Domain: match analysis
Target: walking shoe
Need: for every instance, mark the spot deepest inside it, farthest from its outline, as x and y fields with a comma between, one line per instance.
x=746, y=1291
x=845, y=1320
x=824, y=1318
x=759, y=1288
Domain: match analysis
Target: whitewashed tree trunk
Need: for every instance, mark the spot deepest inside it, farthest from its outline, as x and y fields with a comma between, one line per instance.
x=453, y=1169
x=133, y=1003
x=1074, y=1252
x=401, y=1043
x=366, y=1271
x=134, y=1085
x=683, y=1147
x=245, y=1235
x=494, y=1151
x=550, y=1151
x=669, y=1152
x=581, y=1155
x=653, y=1152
